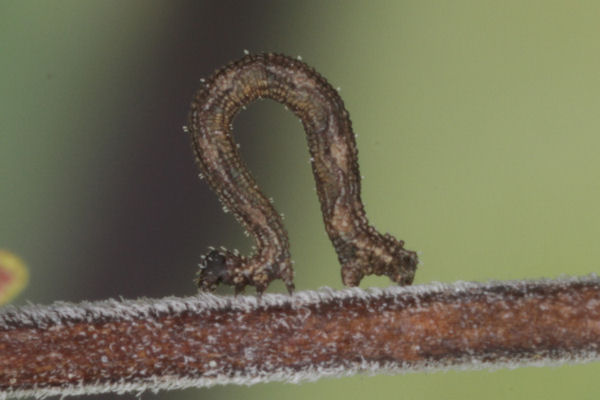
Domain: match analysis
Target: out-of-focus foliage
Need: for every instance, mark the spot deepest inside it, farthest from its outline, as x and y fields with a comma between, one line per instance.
x=13, y=276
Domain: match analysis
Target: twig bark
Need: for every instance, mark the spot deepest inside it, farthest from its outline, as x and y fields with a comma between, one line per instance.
x=206, y=340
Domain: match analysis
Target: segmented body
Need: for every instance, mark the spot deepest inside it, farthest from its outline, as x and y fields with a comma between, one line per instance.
x=360, y=248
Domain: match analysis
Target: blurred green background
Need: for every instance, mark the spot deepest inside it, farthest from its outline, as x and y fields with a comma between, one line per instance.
x=478, y=136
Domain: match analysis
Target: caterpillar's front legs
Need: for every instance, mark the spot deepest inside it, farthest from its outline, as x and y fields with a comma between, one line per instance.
x=376, y=254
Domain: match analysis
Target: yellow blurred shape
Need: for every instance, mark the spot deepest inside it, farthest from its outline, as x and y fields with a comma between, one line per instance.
x=13, y=276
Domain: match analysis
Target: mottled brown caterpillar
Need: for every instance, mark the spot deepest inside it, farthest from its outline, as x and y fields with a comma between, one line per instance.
x=360, y=248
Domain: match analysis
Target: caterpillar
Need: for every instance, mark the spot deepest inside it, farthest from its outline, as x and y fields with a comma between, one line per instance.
x=360, y=248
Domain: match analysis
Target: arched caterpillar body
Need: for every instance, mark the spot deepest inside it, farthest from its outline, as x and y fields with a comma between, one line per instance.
x=360, y=248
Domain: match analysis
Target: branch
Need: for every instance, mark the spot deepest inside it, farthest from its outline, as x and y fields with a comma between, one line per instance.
x=135, y=345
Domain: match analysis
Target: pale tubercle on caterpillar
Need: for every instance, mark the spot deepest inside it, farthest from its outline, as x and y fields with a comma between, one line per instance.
x=361, y=249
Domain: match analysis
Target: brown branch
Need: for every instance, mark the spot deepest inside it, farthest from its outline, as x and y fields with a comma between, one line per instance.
x=206, y=340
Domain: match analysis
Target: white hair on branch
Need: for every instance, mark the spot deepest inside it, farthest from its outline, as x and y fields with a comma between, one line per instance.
x=171, y=343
